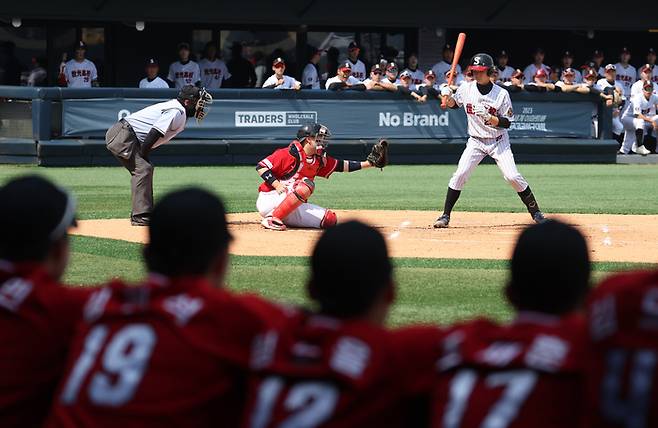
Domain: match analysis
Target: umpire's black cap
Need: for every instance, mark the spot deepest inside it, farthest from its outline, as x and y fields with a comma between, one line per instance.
x=550, y=269
x=33, y=214
x=188, y=229
x=349, y=268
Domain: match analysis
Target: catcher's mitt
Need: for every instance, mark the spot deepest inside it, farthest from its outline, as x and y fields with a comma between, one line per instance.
x=378, y=156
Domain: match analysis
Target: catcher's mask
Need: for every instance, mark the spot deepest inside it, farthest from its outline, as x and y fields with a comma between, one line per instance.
x=317, y=130
x=199, y=101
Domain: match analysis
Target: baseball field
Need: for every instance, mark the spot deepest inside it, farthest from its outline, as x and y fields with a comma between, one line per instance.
x=442, y=275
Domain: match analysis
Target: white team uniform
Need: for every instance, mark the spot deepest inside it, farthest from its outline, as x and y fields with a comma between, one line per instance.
x=350, y=80
x=213, y=73
x=626, y=76
x=440, y=69
x=638, y=105
x=485, y=140
x=529, y=72
x=167, y=117
x=578, y=76
x=505, y=75
x=654, y=74
x=636, y=88
x=310, y=76
x=288, y=82
x=184, y=74
x=601, y=85
x=358, y=69
x=417, y=77
x=80, y=74
x=153, y=84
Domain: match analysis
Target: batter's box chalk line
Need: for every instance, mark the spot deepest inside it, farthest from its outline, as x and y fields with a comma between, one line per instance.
x=396, y=234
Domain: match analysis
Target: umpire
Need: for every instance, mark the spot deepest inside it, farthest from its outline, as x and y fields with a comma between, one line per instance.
x=132, y=139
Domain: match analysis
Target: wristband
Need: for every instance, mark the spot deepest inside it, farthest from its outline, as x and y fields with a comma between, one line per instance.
x=268, y=177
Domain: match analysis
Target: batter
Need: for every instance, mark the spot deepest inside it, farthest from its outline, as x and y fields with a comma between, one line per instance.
x=489, y=113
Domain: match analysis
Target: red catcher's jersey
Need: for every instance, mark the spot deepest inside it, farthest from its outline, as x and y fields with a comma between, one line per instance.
x=623, y=326
x=37, y=321
x=166, y=353
x=290, y=164
x=320, y=372
x=526, y=374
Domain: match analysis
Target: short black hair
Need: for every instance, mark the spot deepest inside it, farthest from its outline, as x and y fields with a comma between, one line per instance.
x=550, y=269
x=188, y=229
x=349, y=269
x=34, y=213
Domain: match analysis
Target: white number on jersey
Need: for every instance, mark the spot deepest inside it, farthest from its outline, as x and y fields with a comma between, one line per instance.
x=310, y=403
x=124, y=362
x=518, y=385
x=628, y=408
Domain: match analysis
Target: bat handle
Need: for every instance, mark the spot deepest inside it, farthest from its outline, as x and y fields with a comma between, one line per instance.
x=444, y=101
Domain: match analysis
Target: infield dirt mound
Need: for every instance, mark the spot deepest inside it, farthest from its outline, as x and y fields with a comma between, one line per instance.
x=629, y=238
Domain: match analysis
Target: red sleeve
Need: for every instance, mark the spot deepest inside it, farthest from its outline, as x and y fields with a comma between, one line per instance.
x=424, y=343
x=328, y=168
x=279, y=162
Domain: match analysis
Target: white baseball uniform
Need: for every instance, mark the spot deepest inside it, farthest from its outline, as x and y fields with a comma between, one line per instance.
x=529, y=72
x=636, y=88
x=485, y=140
x=654, y=74
x=213, y=73
x=310, y=76
x=578, y=76
x=505, y=75
x=602, y=84
x=351, y=80
x=167, y=117
x=440, y=69
x=626, y=76
x=288, y=82
x=358, y=69
x=153, y=84
x=80, y=74
x=638, y=105
x=184, y=74
x=417, y=76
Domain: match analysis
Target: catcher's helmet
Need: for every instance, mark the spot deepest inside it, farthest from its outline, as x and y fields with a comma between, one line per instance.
x=481, y=62
x=317, y=130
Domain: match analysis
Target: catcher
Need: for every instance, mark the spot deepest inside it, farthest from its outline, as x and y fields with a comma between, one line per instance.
x=288, y=179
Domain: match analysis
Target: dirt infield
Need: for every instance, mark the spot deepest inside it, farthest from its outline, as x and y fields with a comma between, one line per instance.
x=629, y=238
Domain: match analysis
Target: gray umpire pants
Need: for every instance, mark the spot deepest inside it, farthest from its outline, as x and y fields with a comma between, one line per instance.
x=122, y=142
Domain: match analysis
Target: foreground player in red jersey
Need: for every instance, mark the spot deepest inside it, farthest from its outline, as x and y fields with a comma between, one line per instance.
x=37, y=314
x=169, y=352
x=623, y=322
x=288, y=179
x=529, y=373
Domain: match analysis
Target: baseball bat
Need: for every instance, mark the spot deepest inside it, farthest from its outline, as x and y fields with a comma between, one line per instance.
x=461, y=39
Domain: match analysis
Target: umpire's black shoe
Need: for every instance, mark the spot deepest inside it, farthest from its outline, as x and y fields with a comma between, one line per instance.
x=140, y=220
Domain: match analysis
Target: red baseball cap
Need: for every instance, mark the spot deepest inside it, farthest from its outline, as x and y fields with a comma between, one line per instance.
x=541, y=73
x=591, y=74
x=648, y=86
x=646, y=68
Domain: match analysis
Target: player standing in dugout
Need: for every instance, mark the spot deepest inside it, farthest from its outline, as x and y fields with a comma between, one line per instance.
x=489, y=112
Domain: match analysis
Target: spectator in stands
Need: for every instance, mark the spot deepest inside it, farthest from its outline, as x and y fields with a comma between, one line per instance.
x=10, y=66
x=38, y=74
x=540, y=82
x=332, y=62
x=391, y=73
x=505, y=71
x=38, y=315
x=358, y=66
x=374, y=82
x=242, y=71
x=651, y=60
x=626, y=73
x=184, y=71
x=152, y=80
x=417, y=74
x=538, y=64
x=79, y=72
x=567, y=62
x=597, y=59
x=344, y=80
x=646, y=73
x=310, y=75
x=279, y=80
x=213, y=70
x=429, y=86
x=444, y=65
x=405, y=88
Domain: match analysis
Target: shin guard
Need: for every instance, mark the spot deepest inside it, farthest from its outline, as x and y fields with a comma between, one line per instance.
x=302, y=190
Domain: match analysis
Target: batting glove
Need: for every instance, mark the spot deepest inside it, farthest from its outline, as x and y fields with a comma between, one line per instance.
x=481, y=111
x=445, y=90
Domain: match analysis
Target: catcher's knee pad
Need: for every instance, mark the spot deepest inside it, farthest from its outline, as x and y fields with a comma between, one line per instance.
x=329, y=219
x=302, y=190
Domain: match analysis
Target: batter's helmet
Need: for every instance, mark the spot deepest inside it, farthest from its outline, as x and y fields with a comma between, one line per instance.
x=481, y=62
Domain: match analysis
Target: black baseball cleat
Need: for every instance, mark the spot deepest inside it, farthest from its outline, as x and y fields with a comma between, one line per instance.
x=140, y=220
x=442, y=222
x=538, y=217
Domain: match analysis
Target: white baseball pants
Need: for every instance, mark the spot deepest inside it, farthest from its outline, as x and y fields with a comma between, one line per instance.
x=306, y=215
x=479, y=148
x=630, y=125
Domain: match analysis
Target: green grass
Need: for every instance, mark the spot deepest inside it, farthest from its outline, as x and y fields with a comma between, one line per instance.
x=614, y=189
x=429, y=290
